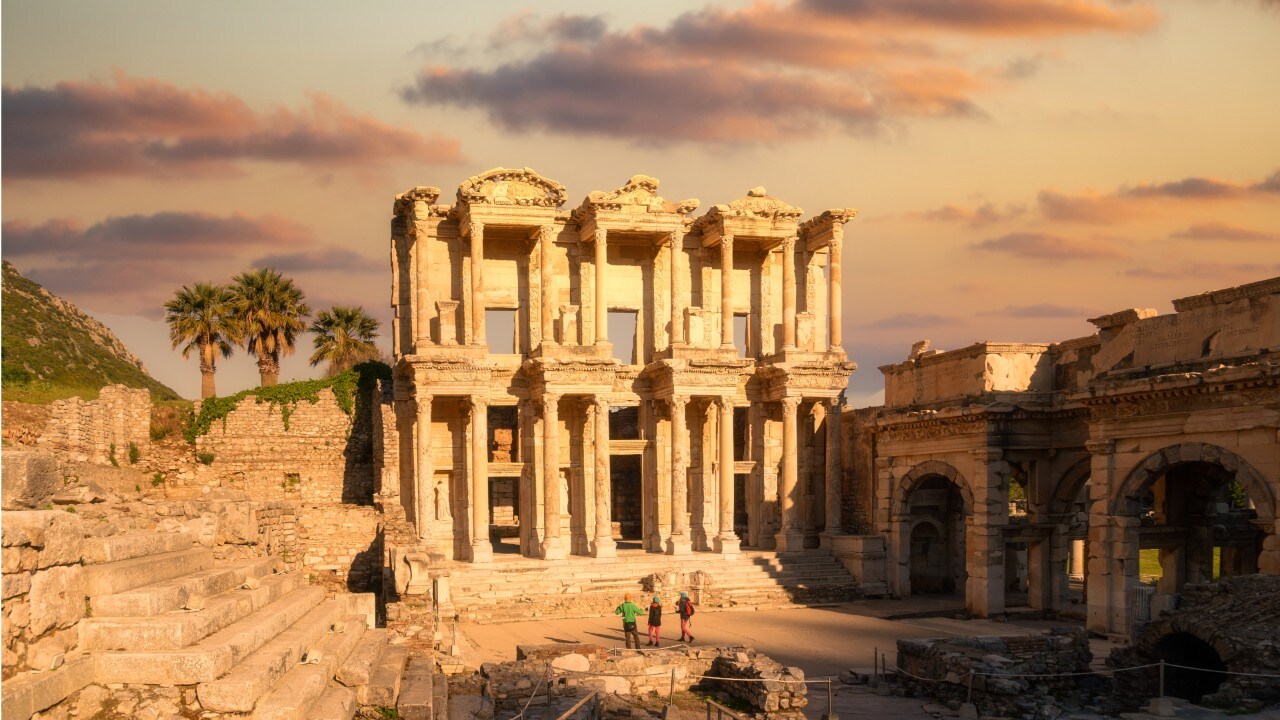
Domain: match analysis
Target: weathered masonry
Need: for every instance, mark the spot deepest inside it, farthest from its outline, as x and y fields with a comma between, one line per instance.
x=619, y=376
x=1041, y=471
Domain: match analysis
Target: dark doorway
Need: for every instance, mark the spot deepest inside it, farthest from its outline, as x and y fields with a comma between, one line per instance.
x=1191, y=652
x=504, y=508
x=626, y=500
x=937, y=537
x=740, y=506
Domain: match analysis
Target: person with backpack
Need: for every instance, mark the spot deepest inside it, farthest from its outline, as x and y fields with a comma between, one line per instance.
x=629, y=611
x=655, y=621
x=684, y=606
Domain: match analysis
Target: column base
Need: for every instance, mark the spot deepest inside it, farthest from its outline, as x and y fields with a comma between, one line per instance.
x=827, y=540
x=679, y=545
x=729, y=546
x=605, y=547
x=789, y=541
x=481, y=552
x=553, y=549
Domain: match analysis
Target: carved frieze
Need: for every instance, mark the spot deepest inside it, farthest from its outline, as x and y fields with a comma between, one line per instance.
x=501, y=186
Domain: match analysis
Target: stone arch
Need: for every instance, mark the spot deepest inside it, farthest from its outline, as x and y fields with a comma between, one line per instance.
x=1068, y=485
x=928, y=469
x=1157, y=463
x=930, y=521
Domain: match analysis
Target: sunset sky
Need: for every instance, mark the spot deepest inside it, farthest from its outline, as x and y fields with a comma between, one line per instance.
x=1019, y=165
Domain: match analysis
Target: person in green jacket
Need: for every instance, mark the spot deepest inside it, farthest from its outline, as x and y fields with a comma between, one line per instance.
x=629, y=611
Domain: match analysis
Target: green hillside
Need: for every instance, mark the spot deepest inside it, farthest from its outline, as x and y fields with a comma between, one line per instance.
x=52, y=350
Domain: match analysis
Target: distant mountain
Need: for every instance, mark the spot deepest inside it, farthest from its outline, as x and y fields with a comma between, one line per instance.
x=53, y=350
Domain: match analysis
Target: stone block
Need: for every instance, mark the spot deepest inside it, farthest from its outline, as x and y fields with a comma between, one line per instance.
x=57, y=598
x=30, y=477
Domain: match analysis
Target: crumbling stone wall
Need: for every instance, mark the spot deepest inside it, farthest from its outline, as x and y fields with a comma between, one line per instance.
x=385, y=439
x=341, y=546
x=92, y=430
x=319, y=455
x=1238, y=617
x=997, y=664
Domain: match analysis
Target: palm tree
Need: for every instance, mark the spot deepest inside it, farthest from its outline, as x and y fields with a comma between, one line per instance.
x=270, y=311
x=201, y=316
x=344, y=338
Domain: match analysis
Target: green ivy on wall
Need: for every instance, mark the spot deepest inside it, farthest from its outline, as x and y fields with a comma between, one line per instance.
x=345, y=386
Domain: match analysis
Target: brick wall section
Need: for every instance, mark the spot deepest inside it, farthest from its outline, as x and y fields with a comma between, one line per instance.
x=386, y=441
x=341, y=546
x=320, y=457
x=90, y=428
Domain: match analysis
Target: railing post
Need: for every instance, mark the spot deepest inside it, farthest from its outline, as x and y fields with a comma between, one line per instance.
x=875, y=663
x=1161, y=677
x=831, y=707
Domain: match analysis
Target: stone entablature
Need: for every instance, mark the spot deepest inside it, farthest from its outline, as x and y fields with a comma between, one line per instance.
x=713, y=419
x=933, y=376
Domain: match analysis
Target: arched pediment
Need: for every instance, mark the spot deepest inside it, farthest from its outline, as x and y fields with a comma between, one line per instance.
x=757, y=205
x=639, y=194
x=501, y=186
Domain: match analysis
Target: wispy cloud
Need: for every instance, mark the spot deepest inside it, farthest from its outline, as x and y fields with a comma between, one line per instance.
x=1043, y=246
x=980, y=216
x=1224, y=231
x=324, y=260
x=767, y=72
x=1094, y=207
x=139, y=127
x=1040, y=310
x=910, y=320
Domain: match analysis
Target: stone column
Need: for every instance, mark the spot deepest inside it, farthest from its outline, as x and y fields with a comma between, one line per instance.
x=602, y=300
x=424, y=487
x=605, y=547
x=1076, y=569
x=680, y=542
x=726, y=292
x=984, y=534
x=834, y=524
x=477, y=283
x=552, y=544
x=481, y=549
x=677, y=297
x=727, y=542
x=833, y=293
x=422, y=326
x=790, y=538
x=546, y=238
x=789, y=293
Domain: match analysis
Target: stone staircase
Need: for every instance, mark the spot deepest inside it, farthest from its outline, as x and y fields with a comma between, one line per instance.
x=250, y=637
x=512, y=589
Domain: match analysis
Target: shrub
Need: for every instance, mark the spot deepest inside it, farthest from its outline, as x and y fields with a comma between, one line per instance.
x=111, y=455
x=157, y=479
x=205, y=457
x=134, y=453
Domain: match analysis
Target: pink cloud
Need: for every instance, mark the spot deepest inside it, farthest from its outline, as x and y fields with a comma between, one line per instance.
x=139, y=127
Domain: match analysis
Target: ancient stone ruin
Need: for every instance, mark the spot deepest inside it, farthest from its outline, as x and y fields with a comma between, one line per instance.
x=622, y=394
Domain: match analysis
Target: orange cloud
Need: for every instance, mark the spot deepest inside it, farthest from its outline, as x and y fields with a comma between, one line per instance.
x=766, y=72
x=1043, y=246
x=138, y=127
x=1105, y=208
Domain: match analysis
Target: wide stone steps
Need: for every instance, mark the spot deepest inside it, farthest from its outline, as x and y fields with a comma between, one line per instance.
x=304, y=684
x=259, y=672
x=179, y=629
x=118, y=576
x=169, y=595
x=215, y=655
x=127, y=546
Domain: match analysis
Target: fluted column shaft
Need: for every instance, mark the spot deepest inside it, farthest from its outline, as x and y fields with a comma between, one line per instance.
x=552, y=543
x=419, y=265
x=790, y=538
x=789, y=293
x=833, y=293
x=477, y=284
x=726, y=291
x=481, y=549
x=602, y=300
x=677, y=297
x=424, y=480
x=727, y=541
x=604, y=545
x=546, y=239
x=834, y=524
x=680, y=542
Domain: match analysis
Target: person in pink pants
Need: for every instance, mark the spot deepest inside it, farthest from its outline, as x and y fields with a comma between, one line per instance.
x=655, y=621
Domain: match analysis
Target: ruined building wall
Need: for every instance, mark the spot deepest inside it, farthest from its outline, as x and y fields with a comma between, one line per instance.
x=93, y=429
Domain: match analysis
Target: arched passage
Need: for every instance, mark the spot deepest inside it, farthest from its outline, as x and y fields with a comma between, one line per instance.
x=1194, y=501
x=1199, y=667
x=929, y=518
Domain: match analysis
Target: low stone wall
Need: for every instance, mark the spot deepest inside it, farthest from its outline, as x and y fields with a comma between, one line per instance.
x=579, y=669
x=996, y=664
x=101, y=430
x=341, y=546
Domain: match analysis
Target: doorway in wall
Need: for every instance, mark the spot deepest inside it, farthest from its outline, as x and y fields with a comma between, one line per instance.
x=625, y=501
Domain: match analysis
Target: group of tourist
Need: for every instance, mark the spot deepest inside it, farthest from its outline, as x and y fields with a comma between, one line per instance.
x=630, y=612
